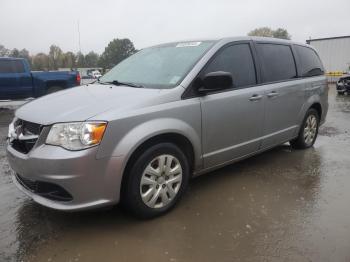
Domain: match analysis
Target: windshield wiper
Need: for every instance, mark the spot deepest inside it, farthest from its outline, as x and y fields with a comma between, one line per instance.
x=118, y=83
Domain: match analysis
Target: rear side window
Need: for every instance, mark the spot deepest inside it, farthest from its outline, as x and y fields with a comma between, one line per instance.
x=17, y=66
x=277, y=62
x=237, y=60
x=11, y=66
x=310, y=63
x=6, y=66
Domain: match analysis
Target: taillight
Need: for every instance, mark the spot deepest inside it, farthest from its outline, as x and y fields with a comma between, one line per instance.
x=78, y=79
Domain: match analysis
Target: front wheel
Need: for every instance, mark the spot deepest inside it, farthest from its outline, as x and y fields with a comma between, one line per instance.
x=308, y=131
x=156, y=181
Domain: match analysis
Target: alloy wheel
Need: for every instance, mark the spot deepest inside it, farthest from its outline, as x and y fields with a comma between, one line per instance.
x=310, y=129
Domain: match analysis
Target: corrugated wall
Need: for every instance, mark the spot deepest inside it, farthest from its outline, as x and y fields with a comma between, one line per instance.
x=335, y=53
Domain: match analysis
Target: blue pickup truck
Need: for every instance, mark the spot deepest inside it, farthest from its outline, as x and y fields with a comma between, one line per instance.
x=18, y=82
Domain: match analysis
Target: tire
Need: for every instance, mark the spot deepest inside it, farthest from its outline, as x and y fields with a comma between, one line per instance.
x=155, y=191
x=341, y=93
x=53, y=89
x=308, y=131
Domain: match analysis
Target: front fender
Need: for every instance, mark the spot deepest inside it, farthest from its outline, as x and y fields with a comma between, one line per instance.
x=135, y=137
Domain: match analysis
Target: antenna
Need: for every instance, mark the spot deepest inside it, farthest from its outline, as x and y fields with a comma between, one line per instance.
x=79, y=36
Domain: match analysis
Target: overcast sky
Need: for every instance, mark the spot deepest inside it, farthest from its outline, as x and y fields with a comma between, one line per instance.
x=36, y=24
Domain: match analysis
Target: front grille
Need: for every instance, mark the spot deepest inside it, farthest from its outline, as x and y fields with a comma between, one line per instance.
x=26, y=129
x=30, y=128
x=48, y=190
x=23, y=146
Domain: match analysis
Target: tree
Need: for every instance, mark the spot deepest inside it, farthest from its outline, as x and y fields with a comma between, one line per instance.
x=40, y=62
x=4, y=51
x=80, y=60
x=21, y=54
x=91, y=59
x=24, y=53
x=281, y=33
x=55, y=57
x=14, y=53
x=262, y=31
x=268, y=32
x=116, y=51
x=69, y=60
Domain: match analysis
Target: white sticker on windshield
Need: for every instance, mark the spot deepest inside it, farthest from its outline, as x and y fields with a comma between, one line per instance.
x=174, y=80
x=188, y=44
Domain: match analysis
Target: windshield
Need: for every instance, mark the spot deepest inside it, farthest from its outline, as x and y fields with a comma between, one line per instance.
x=158, y=67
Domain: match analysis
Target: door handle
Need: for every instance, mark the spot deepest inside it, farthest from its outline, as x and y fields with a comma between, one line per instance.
x=272, y=94
x=255, y=97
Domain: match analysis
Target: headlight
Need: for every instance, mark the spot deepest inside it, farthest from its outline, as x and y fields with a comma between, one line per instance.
x=76, y=135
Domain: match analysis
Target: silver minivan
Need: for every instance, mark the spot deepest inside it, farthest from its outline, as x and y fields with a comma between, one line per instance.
x=163, y=115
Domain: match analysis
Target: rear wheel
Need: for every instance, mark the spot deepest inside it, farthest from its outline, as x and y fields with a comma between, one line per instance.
x=308, y=131
x=156, y=181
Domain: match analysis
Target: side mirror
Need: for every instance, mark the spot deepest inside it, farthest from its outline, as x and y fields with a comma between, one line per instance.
x=216, y=81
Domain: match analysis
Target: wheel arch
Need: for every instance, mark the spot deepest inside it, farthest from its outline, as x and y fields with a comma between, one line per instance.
x=312, y=102
x=178, y=139
x=171, y=137
x=317, y=106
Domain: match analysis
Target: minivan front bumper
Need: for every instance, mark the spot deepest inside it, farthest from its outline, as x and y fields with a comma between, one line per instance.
x=89, y=182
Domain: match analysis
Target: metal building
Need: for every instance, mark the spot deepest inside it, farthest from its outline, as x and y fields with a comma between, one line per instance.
x=334, y=52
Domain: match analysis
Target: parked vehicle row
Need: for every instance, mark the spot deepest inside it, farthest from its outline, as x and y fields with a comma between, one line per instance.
x=18, y=82
x=161, y=116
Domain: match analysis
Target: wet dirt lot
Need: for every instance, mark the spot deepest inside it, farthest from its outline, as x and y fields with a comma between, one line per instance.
x=282, y=205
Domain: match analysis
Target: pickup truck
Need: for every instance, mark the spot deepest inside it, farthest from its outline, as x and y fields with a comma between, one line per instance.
x=18, y=82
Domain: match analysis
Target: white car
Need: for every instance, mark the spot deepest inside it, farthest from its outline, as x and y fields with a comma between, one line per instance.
x=96, y=74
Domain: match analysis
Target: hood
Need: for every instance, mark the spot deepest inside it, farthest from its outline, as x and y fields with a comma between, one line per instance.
x=83, y=102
